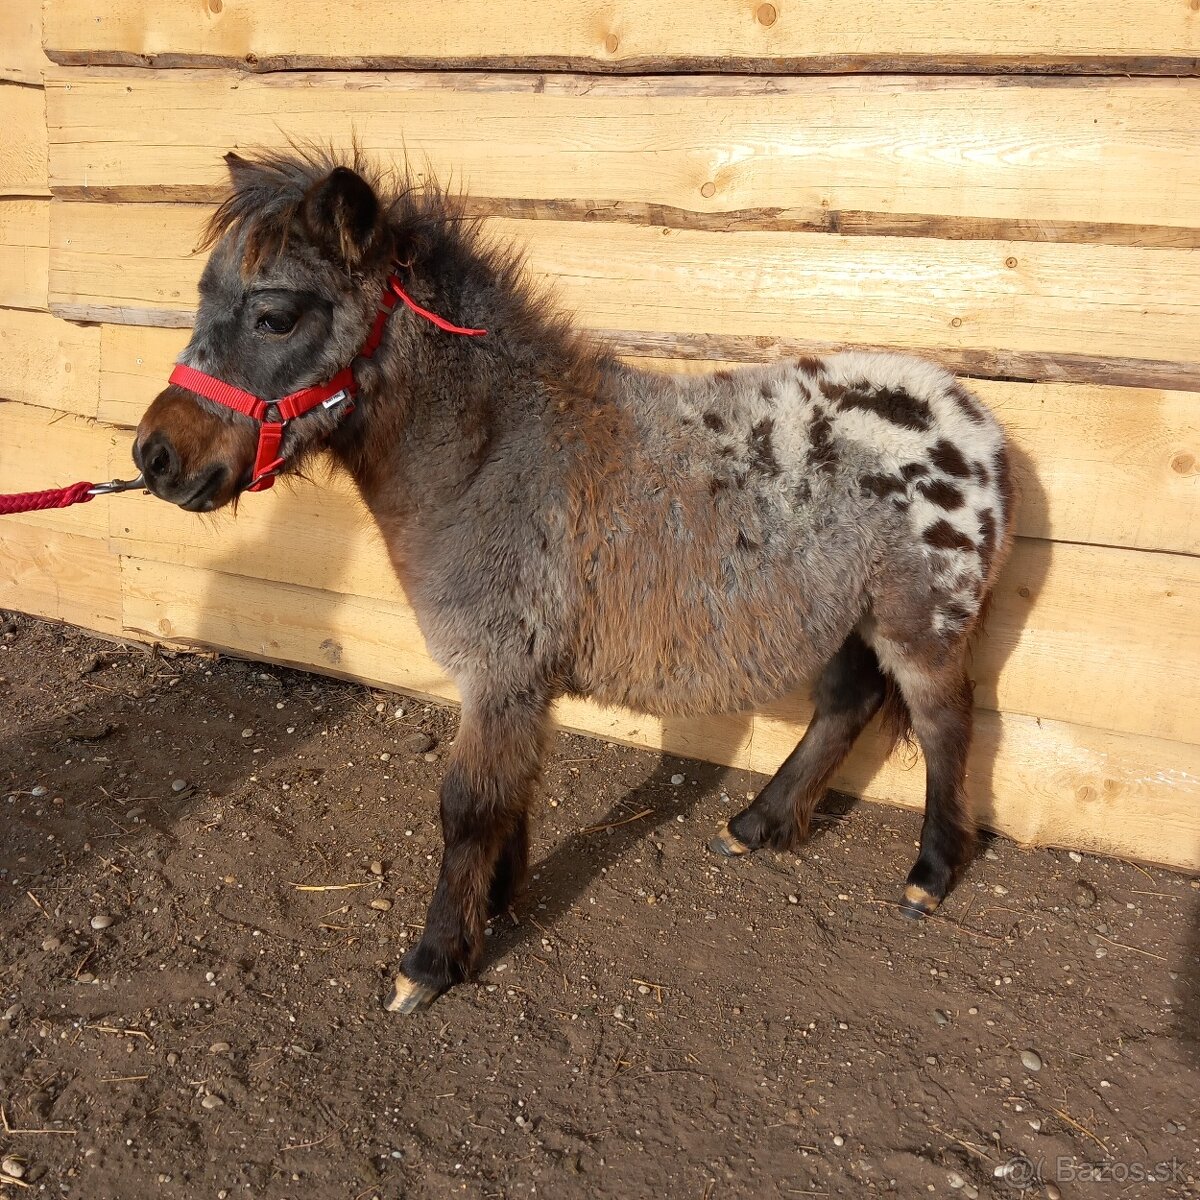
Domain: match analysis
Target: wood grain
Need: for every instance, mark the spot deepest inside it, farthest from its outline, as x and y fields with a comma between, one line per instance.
x=135, y=361
x=1039, y=781
x=1003, y=364
x=1117, y=161
x=21, y=57
x=49, y=363
x=41, y=449
x=24, y=253
x=24, y=162
x=647, y=36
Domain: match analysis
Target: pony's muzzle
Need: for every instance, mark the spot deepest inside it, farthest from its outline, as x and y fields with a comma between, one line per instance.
x=189, y=456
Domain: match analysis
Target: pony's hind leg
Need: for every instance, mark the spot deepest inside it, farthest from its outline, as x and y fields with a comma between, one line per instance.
x=938, y=694
x=848, y=694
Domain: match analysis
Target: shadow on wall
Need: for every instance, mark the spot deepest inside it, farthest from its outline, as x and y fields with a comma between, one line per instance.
x=1027, y=586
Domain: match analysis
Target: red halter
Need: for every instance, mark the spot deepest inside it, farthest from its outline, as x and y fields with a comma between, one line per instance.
x=340, y=390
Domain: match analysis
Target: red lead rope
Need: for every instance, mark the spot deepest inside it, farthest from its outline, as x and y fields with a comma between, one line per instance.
x=22, y=502
x=77, y=493
x=440, y=322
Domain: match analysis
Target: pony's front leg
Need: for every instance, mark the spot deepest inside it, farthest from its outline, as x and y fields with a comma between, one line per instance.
x=489, y=783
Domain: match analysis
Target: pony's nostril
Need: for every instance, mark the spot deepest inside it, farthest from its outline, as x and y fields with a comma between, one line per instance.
x=159, y=461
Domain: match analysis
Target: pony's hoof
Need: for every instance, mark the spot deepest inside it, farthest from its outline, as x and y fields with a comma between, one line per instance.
x=409, y=996
x=725, y=843
x=917, y=902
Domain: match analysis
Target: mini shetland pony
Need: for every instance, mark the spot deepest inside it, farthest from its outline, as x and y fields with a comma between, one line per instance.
x=565, y=524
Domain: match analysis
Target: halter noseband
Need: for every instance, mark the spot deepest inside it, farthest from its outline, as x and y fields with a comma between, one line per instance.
x=340, y=390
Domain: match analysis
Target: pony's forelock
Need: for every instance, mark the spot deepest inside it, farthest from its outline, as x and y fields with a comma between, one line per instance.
x=268, y=190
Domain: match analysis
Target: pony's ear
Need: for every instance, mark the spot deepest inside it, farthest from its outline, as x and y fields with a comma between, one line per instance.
x=242, y=172
x=342, y=213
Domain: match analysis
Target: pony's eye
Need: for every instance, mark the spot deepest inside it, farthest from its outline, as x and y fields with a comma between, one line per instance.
x=276, y=323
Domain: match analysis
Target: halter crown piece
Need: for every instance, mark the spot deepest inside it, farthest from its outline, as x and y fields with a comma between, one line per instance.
x=340, y=390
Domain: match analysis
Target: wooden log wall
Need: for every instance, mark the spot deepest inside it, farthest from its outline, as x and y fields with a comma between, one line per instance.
x=1011, y=188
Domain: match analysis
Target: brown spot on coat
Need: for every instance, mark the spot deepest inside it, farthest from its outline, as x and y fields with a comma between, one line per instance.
x=1008, y=493
x=831, y=391
x=944, y=536
x=821, y=455
x=714, y=422
x=894, y=405
x=723, y=376
x=762, y=450
x=806, y=364
x=947, y=457
x=987, y=538
x=914, y=470
x=944, y=495
x=880, y=485
x=966, y=403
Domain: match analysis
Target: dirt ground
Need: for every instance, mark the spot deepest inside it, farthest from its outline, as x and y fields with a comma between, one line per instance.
x=257, y=846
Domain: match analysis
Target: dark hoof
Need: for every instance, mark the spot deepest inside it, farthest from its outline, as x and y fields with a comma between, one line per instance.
x=409, y=996
x=917, y=902
x=725, y=843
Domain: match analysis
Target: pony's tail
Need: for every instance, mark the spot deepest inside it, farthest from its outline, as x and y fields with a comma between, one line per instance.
x=895, y=721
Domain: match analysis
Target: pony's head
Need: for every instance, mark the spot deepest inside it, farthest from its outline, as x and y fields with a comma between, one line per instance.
x=299, y=252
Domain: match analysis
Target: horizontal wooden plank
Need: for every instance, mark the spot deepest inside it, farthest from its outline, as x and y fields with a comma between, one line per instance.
x=1005, y=364
x=24, y=253
x=1037, y=780
x=959, y=157
x=917, y=293
x=1105, y=465
x=986, y=301
x=41, y=449
x=49, y=363
x=649, y=35
x=1097, y=636
x=59, y=575
x=24, y=163
x=21, y=57
x=1126, y=622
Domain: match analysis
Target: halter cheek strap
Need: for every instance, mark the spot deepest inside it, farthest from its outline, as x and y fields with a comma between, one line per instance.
x=338, y=391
